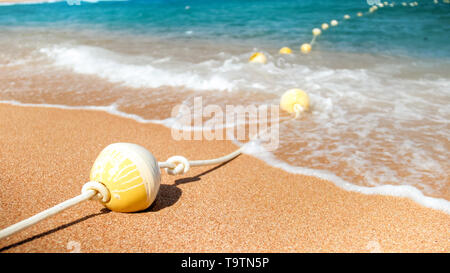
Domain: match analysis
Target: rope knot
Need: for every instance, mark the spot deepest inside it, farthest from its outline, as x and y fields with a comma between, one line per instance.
x=102, y=192
x=180, y=163
x=298, y=110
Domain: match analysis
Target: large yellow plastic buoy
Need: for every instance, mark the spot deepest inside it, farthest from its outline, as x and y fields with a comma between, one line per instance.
x=130, y=173
x=258, y=57
x=305, y=48
x=334, y=23
x=324, y=26
x=294, y=101
x=285, y=50
x=316, y=31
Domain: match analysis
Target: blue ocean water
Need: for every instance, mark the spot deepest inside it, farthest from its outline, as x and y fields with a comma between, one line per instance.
x=379, y=84
x=412, y=31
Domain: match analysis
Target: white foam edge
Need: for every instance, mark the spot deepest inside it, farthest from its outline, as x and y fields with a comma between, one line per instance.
x=257, y=151
x=406, y=191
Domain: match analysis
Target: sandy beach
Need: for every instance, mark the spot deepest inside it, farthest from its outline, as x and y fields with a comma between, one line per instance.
x=241, y=206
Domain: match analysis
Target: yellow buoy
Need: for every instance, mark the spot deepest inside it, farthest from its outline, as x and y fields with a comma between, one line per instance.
x=334, y=23
x=294, y=101
x=359, y=14
x=346, y=17
x=305, y=48
x=285, y=50
x=380, y=5
x=404, y=4
x=316, y=31
x=258, y=57
x=130, y=173
x=324, y=26
x=385, y=3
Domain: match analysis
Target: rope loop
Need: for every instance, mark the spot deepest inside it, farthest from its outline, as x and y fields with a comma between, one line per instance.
x=181, y=165
x=298, y=110
x=102, y=192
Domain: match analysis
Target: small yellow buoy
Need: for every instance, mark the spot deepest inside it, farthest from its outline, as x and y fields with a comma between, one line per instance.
x=285, y=50
x=130, y=173
x=324, y=26
x=404, y=4
x=359, y=14
x=258, y=57
x=346, y=17
x=294, y=101
x=305, y=48
x=385, y=3
x=334, y=23
x=316, y=31
x=380, y=5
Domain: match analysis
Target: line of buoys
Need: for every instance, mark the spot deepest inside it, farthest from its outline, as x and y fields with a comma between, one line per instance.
x=306, y=48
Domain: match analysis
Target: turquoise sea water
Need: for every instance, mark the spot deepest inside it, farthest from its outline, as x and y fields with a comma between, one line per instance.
x=412, y=31
x=379, y=84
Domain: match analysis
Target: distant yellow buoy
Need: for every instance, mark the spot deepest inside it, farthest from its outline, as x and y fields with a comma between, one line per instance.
x=285, y=50
x=385, y=3
x=334, y=23
x=324, y=26
x=316, y=31
x=346, y=17
x=258, y=57
x=380, y=5
x=294, y=101
x=305, y=48
x=130, y=173
x=359, y=14
x=404, y=4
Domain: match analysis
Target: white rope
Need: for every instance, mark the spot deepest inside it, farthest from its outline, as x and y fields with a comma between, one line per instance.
x=179, y=164
x=87, y=193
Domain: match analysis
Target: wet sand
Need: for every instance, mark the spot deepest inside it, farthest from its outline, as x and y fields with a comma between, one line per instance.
x=243, y=205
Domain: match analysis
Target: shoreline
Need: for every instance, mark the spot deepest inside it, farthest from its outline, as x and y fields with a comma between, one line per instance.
x=402, y=191
x=227, y=208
